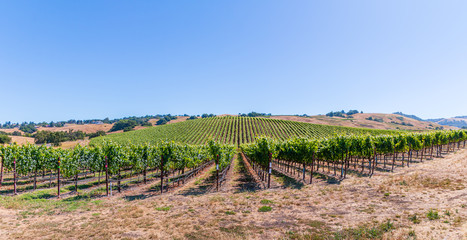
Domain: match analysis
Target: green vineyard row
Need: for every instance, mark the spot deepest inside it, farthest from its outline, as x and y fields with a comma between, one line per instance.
x=111, y=158
x=345, y=151
x=234, y=130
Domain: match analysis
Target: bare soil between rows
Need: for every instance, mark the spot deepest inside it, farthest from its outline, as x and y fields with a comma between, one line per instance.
x=296, y=211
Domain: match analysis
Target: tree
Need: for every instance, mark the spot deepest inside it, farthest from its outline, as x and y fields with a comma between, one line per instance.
x=16, y=133
x=4, y=139
x=123, y=124
x=352, y=112
x=161, y=121
x=28, y=128
x=96, y=134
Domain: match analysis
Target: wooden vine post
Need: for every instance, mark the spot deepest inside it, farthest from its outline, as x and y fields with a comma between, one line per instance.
x=217, y=172
x=106, y=176
x=269, y=170
x=144, y=174
x=76, y=183
x=119, y=180
x=58, y=178
x=14, y=175
x=1, y=173
x=312, y=166
x=162, y=174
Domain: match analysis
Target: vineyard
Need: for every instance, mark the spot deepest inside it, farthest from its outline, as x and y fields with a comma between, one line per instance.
x=168, y=161
x=303, y=154
x=334, y=157
x=298, y=150
x=234, y=130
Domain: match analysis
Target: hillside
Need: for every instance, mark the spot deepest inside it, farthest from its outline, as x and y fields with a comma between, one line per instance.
x=233, y=130
x=86, y=128
x=454, y=122
x=362, y=120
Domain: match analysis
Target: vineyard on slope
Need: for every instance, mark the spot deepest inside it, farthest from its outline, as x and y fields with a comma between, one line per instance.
x=234, y=130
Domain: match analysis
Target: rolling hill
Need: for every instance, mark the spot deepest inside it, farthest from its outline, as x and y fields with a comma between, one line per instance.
x=369, y=120
x=459, y=122
x=232, y=130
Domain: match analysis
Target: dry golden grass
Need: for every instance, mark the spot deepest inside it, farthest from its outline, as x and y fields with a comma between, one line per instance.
x=11, y=130
x=87, y=128
x=22, y=140
x=360, y=120
x=311, y=211
x=179, y=119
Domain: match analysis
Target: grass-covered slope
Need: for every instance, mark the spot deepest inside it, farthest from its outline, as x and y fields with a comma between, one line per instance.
x=233, y=130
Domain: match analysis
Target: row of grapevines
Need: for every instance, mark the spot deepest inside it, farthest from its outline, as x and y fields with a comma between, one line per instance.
x=111, y=157
x=234, y=130
x=341, y=149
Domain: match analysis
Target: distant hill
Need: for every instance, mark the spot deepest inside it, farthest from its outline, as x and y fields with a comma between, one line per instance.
x=459, y=121
x=369, y=120
x=455, y=122
x=409, y=116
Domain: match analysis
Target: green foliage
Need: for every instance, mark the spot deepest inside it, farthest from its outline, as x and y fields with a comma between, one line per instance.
x=374, y=231
x=16, y=133
x=4, y=139
x=96, y=134
x=432, y=215
x=205, y=115
x=165, y=119
x=337, y=148
x=266, y=201
x=223, y=154
x=57, y=137
x=124, y=125
x=235, y=130
x=164, y=209
x=261, y=151
x=28, y=128
x=265, y=209
x=161, y=121
x=32, y=159
x=352, y=112
x=254, y=114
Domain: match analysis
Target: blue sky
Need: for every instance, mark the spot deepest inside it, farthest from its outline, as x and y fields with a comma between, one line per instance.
x=63, y=60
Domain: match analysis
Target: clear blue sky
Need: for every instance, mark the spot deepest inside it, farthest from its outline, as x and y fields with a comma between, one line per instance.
x=63, y=60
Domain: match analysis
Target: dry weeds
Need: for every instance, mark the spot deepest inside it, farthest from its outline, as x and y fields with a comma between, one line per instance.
x=360, y=120
x=321, y=210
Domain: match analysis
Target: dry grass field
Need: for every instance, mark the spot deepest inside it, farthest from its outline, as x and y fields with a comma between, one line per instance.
x=22, y=140
x=360, y=120
x=87, y=128
x=425, y=201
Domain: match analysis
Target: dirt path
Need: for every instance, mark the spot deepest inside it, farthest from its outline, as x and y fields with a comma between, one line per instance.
x=240, y=178
x=407, y=198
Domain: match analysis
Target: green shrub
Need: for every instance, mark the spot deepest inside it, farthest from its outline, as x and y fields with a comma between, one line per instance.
x=265, y=209
x=230, y=213
x=165, y=209
x=4, y=139
x=265, y=201
x=414, y=219
x=432, y=215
